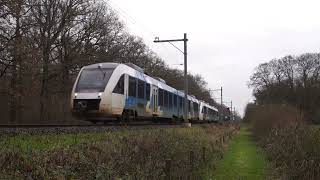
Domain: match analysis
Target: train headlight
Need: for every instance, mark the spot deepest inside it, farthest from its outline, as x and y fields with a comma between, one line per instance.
x=75, y=95
x=99, y=95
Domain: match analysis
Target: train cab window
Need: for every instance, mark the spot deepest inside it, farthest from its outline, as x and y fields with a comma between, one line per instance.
x=140, y=89
x=148, y=91
x=170, y=99
x=93, y=79
x=119, y=89
x=165, y=98
x=132, y=87
x=160, y=97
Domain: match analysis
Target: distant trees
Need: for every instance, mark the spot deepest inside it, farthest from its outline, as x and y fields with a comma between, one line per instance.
x=44, y=43
x=290, y=80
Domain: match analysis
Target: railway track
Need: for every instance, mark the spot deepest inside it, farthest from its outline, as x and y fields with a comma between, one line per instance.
x=38, y=129
x=78, y=125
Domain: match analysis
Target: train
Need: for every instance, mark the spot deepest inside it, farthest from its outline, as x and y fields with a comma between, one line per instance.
x=124, y=93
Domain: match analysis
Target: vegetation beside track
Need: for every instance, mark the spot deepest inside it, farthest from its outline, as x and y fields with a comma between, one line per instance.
x=141, y=154
x=290, y=144
x=27, y=143
x=243, y=160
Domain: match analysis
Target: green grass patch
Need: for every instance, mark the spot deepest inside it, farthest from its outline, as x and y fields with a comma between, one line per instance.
x=243, y=160
x=27, y=143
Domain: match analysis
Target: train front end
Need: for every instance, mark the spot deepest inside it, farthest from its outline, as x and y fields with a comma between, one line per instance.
x=89, y=98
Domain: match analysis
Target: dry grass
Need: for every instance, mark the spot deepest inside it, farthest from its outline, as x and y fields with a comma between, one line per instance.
x=127, y=155
x=290, y=144
x=295, y=151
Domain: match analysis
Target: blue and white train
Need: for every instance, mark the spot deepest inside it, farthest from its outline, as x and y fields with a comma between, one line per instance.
x=124, y=92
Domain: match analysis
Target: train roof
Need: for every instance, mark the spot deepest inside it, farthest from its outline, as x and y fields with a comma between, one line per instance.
x=208, y=105
x=142, y=76
x=137, y=72
x=101, y=65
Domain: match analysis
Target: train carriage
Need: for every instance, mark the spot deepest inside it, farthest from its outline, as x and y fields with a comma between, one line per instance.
x=124, y=92
x=208, y=113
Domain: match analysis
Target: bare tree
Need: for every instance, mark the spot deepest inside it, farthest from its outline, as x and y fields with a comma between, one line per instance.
x=290, y=80
x=12, y=30
x=51, y=17
x=44, y=43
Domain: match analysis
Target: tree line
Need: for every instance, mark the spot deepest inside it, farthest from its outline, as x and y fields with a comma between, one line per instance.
x=290, y=80
x=44, y=43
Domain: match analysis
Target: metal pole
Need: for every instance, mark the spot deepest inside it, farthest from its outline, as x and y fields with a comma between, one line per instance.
x=221, y=114
x=185, y=79
x=185, y=70
x=231, y=114
x=221, y=97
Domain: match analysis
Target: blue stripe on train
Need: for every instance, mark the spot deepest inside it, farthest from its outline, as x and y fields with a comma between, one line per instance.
x=133, y=102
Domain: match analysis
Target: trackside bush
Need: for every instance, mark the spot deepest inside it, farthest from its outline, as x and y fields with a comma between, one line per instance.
x=269, y=117
x=295, y=151
x=127, y=155
x=292, y=145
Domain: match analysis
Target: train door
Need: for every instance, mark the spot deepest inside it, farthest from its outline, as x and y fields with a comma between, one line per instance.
x=126, y=90
x=154, y=99
x=205, y=113
x=126, y=87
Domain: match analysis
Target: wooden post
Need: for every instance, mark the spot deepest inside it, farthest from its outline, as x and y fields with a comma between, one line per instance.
x=167, y=169
x=203, y=154
x=191, y=158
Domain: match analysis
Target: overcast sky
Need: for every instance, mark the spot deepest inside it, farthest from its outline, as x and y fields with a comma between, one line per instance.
x=227, y=38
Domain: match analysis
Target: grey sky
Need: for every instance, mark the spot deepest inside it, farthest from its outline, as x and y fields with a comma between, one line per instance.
x=227, y=38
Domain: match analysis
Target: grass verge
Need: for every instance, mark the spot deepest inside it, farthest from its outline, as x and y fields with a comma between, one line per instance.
x=140, y=154
x=291, y=145
x=243, y=160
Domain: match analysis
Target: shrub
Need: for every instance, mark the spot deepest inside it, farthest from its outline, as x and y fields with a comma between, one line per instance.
x=265, y=118
x=292, y=145
x=295, y=151
x=127, y=155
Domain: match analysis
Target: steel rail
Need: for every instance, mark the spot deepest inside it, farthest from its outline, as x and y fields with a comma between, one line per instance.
x=81, y=125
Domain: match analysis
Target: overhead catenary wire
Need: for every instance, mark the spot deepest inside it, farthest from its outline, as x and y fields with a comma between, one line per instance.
x=144, y=28
x=128, y=17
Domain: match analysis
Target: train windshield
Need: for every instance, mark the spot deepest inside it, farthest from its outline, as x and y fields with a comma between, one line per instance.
x=93, y=80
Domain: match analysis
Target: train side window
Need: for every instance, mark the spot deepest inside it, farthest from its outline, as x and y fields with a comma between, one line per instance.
x=119, y=88
x=195, y=107
x=175, y=100
x=170, y=99
x=132, y=87
x=160, y=97
x=140, y=89
x=165, y=99
x=148, y=91
x=181, y=101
